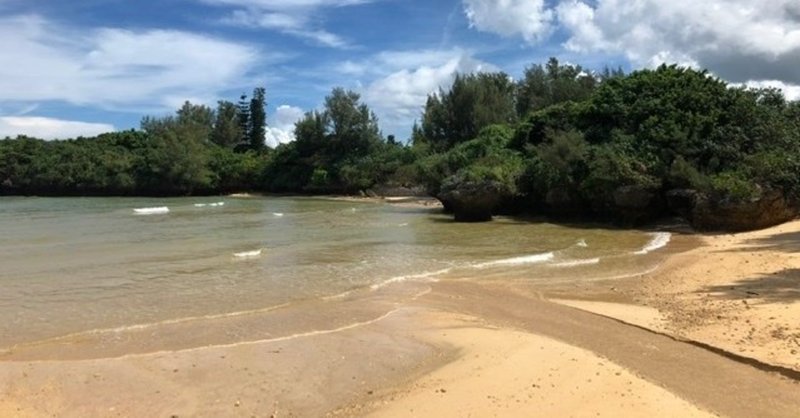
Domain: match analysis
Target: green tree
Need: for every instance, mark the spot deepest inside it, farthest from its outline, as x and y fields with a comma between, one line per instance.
x=244, y=119
x=258, y=119
x=553, y=83
x=473, y=102
x=226, y=131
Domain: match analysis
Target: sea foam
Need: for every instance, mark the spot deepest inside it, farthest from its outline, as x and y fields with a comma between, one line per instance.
x=658, y=240
x=404, y=278
x=152, y=211
x=518, y=261
x=576, y=263
x=248, y=254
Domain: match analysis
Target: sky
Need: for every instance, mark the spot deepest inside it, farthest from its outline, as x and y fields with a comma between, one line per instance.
x=82, y=67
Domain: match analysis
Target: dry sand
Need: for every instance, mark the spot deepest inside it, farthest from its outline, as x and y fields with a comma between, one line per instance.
x=737, y=292
x=466, y=349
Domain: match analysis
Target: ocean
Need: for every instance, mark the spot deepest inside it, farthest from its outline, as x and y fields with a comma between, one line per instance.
x=93, y=277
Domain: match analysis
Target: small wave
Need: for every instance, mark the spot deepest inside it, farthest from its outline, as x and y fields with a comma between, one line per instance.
x=404, y=278
x=217, y=204
x=248, y=254
x=167, y=322
x=518, y=261
x=659, y=240
x=152, y=211
x=277, y=214
x=582, y=243
x=403, y=224
x=576, y=263
x=200, y=205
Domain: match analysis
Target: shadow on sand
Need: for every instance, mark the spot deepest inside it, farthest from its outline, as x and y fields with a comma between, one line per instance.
x=781, y=287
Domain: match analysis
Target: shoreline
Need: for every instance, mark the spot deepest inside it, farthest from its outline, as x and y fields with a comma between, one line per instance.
x=460, y=347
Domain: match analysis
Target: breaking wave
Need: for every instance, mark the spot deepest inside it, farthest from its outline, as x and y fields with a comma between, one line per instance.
x=518, y=261
x=404, y=278
x=576, y=263
x=659, y=240
x=248, y=254
x=152, y=211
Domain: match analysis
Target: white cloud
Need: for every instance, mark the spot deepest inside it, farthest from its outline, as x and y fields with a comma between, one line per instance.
x=739, y=40
x=530, y=19
x=293, y=17
x=791, y=91
x=116, y=68
x=404, y=79
x=281, y=129
x=47, y=128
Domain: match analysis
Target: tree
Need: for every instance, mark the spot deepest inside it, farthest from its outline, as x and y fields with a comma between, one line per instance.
x=244, y=119
x=258, y=119
x=553, y=83
x=473, y=102
x=226, y=131
x=333, y=150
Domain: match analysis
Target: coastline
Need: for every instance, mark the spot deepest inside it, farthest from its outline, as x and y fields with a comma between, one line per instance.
x=487, y=349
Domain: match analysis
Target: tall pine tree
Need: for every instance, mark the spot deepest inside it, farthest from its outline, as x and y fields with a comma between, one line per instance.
x=244, y=119
x=258, y=119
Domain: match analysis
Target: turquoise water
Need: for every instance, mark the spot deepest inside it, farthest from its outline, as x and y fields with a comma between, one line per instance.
x=73, y=265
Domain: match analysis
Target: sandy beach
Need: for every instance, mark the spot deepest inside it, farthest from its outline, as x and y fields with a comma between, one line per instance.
x=712, y=332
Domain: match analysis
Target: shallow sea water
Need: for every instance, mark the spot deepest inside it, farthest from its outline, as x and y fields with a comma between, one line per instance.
x=106, y=270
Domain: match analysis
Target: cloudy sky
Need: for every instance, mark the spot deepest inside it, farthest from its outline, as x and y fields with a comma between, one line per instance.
x=81, y=67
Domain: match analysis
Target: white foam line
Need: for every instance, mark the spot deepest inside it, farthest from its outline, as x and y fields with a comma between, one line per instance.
x=232, y=345
x=269, y=340
x=582, y=243
x=398, y=279
x=200, y=205
x=516, y=261
x=277, y=214
x=659, y=240
x=249, y=254
x=138, y=327
x=152, y=211
x=576, y=263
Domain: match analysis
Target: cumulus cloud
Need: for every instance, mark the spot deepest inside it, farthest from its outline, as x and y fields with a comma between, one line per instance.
x=741, y=41
x=281, y=129
x=48, y=128
x=402, y=81
x=791, y=91
x=115, y=68
x=738, y=40
x=530, y=19
x=293, y=17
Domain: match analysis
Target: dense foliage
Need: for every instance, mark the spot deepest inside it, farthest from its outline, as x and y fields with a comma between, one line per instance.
x=560, y=139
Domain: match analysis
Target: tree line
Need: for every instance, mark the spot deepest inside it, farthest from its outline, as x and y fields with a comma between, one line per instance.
x=560, y=140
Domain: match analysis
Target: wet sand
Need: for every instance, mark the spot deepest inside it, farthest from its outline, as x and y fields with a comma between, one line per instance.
x=459, y=348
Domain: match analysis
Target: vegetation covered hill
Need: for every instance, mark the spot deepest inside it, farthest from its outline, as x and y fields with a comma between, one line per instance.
x=559, y=141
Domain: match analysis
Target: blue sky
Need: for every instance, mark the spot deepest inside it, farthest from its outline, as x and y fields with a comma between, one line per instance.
x=81, y=67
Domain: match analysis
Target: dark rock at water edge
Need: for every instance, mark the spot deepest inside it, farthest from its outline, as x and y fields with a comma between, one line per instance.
x=563, y=203
x=635, y=204
x=472, y=201
x=705, y=212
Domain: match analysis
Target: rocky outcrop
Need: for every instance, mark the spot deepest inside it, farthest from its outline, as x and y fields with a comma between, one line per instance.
x=705, y=212
x=561, y=203
x=635, y=204
x=472, y=201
